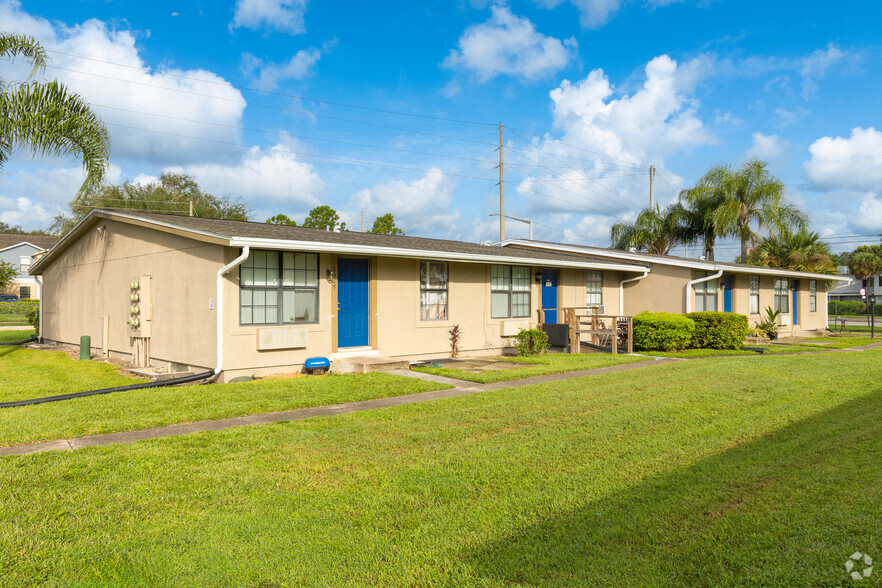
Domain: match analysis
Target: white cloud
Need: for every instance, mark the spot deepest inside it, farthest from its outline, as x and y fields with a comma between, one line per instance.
x=591, y=230
x=421, y=205
x=770, y=148
x=285, y=16
x=869, y=217
x=270, y=177
x=593, y=14
x=853, y=163
x=509, y=45
x=122, y=93
x=268, y=76
x=815, y=66
x=609, y=140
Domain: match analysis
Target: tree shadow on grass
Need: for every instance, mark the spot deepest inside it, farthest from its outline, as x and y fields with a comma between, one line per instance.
x=785, y=509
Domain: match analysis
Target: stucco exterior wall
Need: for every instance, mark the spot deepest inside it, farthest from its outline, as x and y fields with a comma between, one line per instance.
x=663, y=290
x=91, y=278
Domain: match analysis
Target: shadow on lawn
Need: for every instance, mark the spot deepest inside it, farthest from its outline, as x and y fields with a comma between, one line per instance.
x=786, y=509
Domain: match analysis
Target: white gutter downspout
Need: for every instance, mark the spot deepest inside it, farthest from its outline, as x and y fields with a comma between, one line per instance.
x=220, y=306
x=39, y=280
x=622, y=290
x=698, y=281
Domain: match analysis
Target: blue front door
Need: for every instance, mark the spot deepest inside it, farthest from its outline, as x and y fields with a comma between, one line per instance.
x=549, y=294
x=727, y=294
x=352, y=303
x=795, y=302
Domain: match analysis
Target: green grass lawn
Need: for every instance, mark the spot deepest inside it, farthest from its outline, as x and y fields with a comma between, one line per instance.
x=552, y=363
x=722, y=472
x=26, y=373
x=13, y=319
x=842, y=342
x=16, y=335
x=696, y=353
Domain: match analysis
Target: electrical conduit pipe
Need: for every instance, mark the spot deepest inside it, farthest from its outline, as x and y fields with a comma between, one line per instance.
x=698, y=281
x=622, y=290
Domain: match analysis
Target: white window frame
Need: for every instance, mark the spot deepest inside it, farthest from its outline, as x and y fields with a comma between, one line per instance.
x=754, y=294
x=705, y=291
x=24, y=262
x=508, y=289
x=813, y=296
x=782, y=284
x=594, y=288
x=427, y=289
x=278, y=282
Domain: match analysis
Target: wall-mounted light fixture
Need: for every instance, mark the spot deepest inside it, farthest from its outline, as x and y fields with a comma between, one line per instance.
x=538, y=276
x=101, y=229
x=331, y=275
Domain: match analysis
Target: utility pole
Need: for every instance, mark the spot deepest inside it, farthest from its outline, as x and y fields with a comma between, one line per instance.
x=362, y=221
x=191, y=208
x=651, y=185
x=501, y=191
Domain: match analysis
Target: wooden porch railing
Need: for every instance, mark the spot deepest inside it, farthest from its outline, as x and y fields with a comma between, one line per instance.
x=598, y=331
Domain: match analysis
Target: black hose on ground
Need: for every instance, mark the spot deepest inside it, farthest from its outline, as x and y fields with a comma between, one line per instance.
x=157, y=384
x=33, y=338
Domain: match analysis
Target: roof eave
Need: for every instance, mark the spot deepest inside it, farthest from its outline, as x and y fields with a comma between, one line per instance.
x=697, y=264
x=322, y=247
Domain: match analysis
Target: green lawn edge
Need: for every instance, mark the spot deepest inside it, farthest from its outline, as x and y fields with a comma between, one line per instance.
x=556, y=363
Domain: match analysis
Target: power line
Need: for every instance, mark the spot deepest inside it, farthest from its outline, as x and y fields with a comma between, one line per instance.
x=277, y=108
x=272, y=92
x=577, y=183
x=298, y=136
x=635, y=164
x=299, y=153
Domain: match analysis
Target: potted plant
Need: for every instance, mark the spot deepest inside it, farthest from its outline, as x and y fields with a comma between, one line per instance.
x=770, y=325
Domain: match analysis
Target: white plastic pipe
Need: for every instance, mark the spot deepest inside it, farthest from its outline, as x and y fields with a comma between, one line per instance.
x=622, y=290
x=220, y=306
x=698, y=281
x=39, y=280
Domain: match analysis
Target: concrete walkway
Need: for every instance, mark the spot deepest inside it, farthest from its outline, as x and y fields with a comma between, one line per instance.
x=460, y=389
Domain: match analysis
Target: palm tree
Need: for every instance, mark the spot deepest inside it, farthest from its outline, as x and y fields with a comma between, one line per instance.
x=654, y=230
x=702, y=202
x=801, y=250
x=47, y=118
x=752, y=195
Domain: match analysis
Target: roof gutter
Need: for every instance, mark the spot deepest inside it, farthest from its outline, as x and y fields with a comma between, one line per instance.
x=220, y=306
x=622, y=290
x=323, y=247
x=692, y=283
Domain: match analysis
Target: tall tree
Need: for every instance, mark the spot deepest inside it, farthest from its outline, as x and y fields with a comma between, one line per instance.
x=385, y=225
x=8, y=272
x=863, y=262
x=654, y=230
x=17, y=230
x=172, y=193
x=800, y=250
x=702, y=201
x=281, y=219
x=48, y=119
x=753, y=196
x=324, y=217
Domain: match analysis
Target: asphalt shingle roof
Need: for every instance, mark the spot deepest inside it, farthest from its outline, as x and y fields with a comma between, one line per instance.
x=253, y=230
x=8, y=240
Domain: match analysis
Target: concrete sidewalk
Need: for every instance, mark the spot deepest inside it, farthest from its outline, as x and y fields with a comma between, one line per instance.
x=460, y=389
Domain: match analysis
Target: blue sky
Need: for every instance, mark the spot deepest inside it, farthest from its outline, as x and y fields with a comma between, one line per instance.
x=393, y=106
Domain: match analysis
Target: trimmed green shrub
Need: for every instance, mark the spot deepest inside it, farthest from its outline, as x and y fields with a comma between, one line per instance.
x=662, y=331
x=34, y=317
x=17, y=307
x=846, y=307
x=718, y=330
x=531, y=342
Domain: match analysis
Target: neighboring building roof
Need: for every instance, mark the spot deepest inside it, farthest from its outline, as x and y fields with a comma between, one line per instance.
x=267, y=236
x=635, y=257
x=8, y=241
